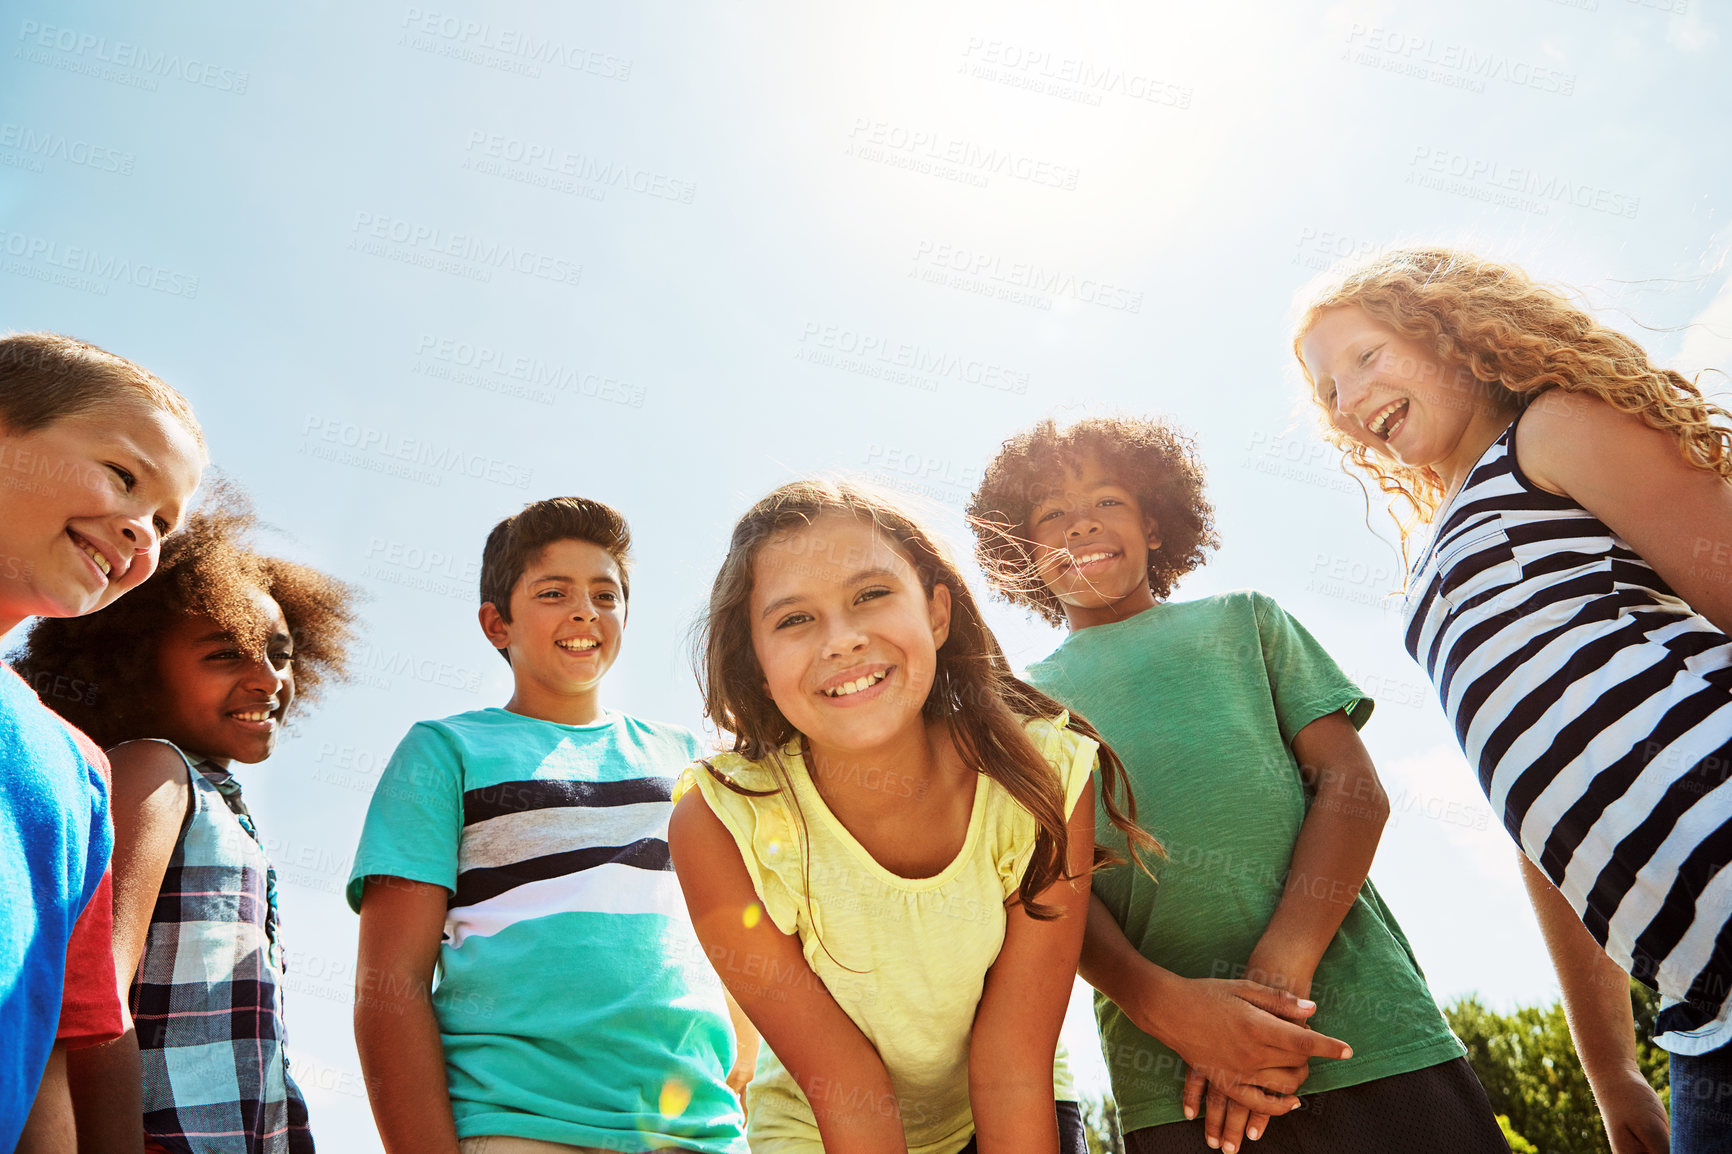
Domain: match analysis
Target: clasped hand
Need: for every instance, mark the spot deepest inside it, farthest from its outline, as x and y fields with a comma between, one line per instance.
x=1247, y=1051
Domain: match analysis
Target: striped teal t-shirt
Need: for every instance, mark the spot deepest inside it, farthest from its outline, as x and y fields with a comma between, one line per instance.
x=574, y=1002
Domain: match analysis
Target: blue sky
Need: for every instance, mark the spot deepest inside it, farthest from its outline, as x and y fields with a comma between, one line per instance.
x=417, y=265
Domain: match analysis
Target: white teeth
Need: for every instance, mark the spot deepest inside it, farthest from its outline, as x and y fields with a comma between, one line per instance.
x=579, y=643
x=1381, y=419
x=857, y=684
x=101, y=561
x=253, y=715
x=1089, y=558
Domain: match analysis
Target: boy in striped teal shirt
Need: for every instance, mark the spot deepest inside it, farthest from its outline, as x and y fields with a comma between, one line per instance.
x=521, y=854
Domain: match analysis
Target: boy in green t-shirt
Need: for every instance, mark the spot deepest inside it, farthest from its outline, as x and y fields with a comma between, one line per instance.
x=522, y=854
x=1240, y=739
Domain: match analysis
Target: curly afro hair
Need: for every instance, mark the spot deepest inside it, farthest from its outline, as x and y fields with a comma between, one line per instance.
x=99, y=671
x=1153, y=459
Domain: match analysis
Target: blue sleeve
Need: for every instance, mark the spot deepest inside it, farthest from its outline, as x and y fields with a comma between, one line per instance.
x=415, y=821
x=694, y=749
x=1304, y=680
x=101, y=831
x=667, y=749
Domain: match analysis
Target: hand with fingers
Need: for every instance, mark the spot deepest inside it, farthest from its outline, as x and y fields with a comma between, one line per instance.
x=1247, y=1051
x=1635, y=1118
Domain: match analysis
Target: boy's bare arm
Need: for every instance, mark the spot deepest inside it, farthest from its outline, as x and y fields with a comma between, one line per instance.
x=396, y=1033
x=745, y=1047
x=1331, y=856
x=1597, y=1003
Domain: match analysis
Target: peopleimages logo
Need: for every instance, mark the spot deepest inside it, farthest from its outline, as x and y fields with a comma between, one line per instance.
x=90, y=50
x=381, y=450
x=39, y=144
x=947, y=262
x=520, y=44
x=102, y=267
x=412, y=242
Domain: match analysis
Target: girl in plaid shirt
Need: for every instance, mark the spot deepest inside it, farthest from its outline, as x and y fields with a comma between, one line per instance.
x=195, y=671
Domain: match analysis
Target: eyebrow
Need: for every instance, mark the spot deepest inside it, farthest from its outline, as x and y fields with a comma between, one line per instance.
x=1108, y=483
x=125, y=444
x=606, y=580
x=879, y=571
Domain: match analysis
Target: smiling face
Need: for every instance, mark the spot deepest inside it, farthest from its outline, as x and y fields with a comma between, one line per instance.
x=84, y=504
x=567, y=618
x=845, y=635
x=225, y=694
x=1091, y=547
x=1397, y=396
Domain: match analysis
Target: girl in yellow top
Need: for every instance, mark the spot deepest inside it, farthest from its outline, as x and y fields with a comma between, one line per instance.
x=891, y=871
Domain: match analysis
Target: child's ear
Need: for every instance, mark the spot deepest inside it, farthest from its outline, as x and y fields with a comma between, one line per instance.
x=938, y=612
x=498, y=630
x=1152, y=530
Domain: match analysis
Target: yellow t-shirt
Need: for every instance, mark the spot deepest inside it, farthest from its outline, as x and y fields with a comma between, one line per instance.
x=905, y=958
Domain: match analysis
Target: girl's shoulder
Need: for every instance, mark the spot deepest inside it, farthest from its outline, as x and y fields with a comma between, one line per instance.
x=1071, y=754
x=146, y=762
x=750, y=800
x=152, y=785
x=1562, y=435
x=721, y=775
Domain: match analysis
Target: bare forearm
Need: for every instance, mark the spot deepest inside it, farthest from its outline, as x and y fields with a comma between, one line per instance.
x=745, y=1047
x=1596, y=989
x=1010, y=1095
x=106, y=1096
x=403, y=1063
x=1014, y=1117
x=50, y=1128
x=1331, y=858
x=1112, y=965
x=1010, y=1061
x=854, y=1102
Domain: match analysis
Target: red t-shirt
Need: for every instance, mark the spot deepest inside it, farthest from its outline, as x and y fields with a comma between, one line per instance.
x=92, y=1008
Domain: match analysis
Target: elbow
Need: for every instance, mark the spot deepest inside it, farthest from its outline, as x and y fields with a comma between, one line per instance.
x=1359, y=796
x=387, y=995
x=1377, y=805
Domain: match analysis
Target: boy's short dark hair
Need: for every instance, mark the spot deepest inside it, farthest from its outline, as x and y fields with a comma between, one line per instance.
x=1155, y=460
x=517, y=539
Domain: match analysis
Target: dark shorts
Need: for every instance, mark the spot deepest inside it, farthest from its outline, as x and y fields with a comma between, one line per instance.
x=1702, y=1102
x=1441, y=1109
x=1072, y=1138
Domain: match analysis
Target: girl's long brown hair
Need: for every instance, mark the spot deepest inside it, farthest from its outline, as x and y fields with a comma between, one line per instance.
x=973, y=691
x=1516, y=338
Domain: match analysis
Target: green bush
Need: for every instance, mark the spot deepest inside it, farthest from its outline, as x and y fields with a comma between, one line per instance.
x=1517, y=1144
x=1101, y=1121
x=1528, y=1066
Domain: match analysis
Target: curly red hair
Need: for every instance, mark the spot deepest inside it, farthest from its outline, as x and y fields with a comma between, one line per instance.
x=1517, y=338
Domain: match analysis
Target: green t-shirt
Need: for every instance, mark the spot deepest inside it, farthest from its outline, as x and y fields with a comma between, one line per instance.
x=1201, y=701
x=574, y=1002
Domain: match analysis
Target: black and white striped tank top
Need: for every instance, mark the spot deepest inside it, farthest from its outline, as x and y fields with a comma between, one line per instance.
x=1596, y=707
